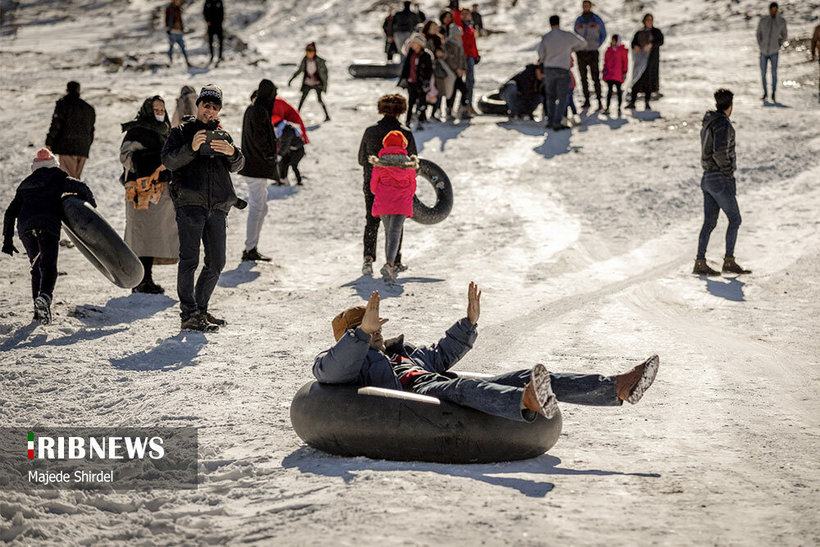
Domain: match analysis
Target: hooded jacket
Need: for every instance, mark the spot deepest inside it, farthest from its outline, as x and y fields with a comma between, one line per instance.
x=616, y=63
x=37, y=205
x=527, y=81
x=72, y=127
x=591, y=28
x=771, y=33
x=393, y=182
x=372, y=143
x=199, y=180
x=258, y=140
x=717, y=139
x=468, y=36
x=143, y=141
x=352, y=361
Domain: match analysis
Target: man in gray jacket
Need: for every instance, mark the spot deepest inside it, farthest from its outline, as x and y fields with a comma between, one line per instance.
x=555, y=53
x=362, y=357
x=771, y=33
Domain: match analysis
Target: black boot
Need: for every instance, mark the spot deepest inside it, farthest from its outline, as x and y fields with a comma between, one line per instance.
x=254, y=255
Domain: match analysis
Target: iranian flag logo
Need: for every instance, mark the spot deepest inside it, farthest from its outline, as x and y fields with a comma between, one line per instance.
x=30, y=445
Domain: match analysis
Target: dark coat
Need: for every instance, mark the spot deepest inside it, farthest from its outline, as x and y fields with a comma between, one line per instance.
x=527, y=81
x=405, y=21
x=321, y=68
x=650, y=79
x=352, y=361
x=143, y=141
x=424, y=69
x=37, y=205
x=372, y=143
x=214, y=12
x=72, y=127
x=717, y=142
x=199, y=180
x=258, y=140
x=172, y=14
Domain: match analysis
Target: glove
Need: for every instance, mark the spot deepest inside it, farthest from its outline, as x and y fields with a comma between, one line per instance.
x=478, y=59
x=9, y=248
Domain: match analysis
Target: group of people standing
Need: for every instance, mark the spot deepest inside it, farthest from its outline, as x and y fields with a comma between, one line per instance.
x=213, y=12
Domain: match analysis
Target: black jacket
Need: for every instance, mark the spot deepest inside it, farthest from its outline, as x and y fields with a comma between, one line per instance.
x=72, y=127
x=143, y=141
x=258, y=139
x=372, y=143
x=213, y=12
x=199, y=180
x=405, y=21
x=424, y=69
x=527, y=82
x=37, y=206
x=717, y=141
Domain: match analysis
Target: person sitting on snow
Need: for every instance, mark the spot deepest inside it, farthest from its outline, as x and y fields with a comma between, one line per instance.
x=362, y=357
x=37, y=208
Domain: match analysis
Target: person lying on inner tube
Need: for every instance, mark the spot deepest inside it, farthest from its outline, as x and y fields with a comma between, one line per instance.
x=362, y=357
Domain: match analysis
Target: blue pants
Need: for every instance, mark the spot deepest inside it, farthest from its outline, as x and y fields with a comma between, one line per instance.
x=773, y=60
x=556, y=86
x=520, y=105
x=718, y=193
x=470, y=80
x=197, y=224
x=571, y=102
x=179, y=39
x=502, y=395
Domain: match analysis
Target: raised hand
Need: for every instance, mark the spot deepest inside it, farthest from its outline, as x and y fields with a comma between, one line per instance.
x=371, y=322
x=473, y=303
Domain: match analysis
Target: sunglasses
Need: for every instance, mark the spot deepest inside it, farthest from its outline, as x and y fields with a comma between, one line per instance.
x=211, y=106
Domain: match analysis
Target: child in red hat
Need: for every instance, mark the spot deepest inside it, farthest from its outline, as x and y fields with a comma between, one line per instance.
x=393, y=184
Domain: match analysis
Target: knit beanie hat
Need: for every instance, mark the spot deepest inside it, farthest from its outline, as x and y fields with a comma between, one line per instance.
x=395, y=138
x=348, y=319
x=210, y=93
x=419, y=38
x=44, y=158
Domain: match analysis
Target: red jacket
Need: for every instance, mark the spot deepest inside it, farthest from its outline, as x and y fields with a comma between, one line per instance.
x=616, y=63
x=393, y=187
x=467, y=37
x=283, y=111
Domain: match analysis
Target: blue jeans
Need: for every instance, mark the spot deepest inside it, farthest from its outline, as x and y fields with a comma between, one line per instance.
x=773, y=60
x=470, y=80
x=502, y=395
x=556, y=87
x=179, y=39
x=571, y=102
x=520, y=105
x=197, y=224
x=718, y=193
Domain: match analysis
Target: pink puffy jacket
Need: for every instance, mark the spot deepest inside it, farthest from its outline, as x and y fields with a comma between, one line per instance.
x=393, y=182
x=616, y=63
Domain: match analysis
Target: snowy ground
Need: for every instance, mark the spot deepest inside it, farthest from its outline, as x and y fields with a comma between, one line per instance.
x=583, y=243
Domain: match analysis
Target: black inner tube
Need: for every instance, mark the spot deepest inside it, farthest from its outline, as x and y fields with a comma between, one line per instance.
x=436, y=176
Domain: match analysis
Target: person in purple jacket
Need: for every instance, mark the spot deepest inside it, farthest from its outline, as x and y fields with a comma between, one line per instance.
x=362, y=357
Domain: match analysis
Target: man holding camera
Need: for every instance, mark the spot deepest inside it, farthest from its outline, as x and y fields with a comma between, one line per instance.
x=201, y=156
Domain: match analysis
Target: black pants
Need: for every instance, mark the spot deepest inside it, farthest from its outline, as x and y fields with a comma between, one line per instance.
x=195, y=225
x=416, y=99
x=305, y=90
x=617, y=85
x=371, y=227
x=291, y=159
x=589, y=60
x=214, y=30
x=42, y=248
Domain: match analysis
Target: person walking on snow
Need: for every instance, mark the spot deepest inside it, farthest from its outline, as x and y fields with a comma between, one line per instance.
x=38, y=211
x=314, y=70
x=203, y=194
x=391, y=107
x=214, y=14
x=463, y=18
x=175, y=30
x=362, y=357
x=389, y=42
x=72, y=131
x=616, y=65
x=555, y=54
x=393, y=184
x=591, y=28
x=259, y=149
x=415, y=76
x=771, y=33
x=717, y=139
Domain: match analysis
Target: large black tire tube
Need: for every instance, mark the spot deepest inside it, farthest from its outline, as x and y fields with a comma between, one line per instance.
x=395, y=425
x=375, y=70
x=436, y=176
x=492, y=104
x=100, y=243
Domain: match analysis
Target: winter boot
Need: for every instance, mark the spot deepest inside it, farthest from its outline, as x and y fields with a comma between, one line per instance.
x=253, y=255
x=399, y=267
x=702, y=268
x=633, y=384
x=538, y=395
x=388, y=273
x=197, y=322
x=730, y=266
x=42, y=309
x=211, y=320
x=367, y=266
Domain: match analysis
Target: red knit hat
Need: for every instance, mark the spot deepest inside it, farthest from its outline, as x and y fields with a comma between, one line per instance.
x=395, y=138
x=44, y=158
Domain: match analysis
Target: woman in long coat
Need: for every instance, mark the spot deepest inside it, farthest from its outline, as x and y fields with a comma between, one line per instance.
x=646, y=60
x=150, y=221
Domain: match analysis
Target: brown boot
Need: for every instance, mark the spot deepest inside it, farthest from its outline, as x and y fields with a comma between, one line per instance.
x=730, y=266
x=538, y=395
x=702, y=268
x=633, y=384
